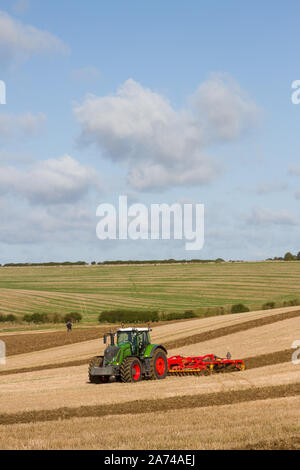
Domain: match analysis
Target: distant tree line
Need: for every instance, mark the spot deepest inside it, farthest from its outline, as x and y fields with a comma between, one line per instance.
x=287, y=257
x=116, y=262
x=52, y=263
x=163, y=261
x=128, y=316
x=141, y=316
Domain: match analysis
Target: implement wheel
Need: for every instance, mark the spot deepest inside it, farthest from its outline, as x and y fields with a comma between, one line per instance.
x=131, y=370
x=97, y=361
x=159, y=365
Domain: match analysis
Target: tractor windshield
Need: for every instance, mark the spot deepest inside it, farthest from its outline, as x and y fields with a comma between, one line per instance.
x=124, y=337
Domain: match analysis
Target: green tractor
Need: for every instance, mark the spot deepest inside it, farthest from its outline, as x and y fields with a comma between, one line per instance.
x=131, y=359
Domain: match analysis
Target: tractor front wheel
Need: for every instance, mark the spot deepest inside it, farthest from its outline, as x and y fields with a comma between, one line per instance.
x=97, y=361
x=131, y=370
x=159, y=365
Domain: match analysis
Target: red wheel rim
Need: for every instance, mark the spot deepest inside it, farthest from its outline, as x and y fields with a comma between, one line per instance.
x=160, y=366
x=136, y=372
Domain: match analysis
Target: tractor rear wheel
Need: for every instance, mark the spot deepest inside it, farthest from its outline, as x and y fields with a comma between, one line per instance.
x=131, y=370
x=97, y=361
x=159, y=365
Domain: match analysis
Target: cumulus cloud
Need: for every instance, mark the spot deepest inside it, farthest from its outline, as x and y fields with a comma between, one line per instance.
x=156, y=175
x=51, y=181
x=18, y=40
x=224, y=109
x=162, y=146
x=262, y=216
x=29, y=124
x=63, y=224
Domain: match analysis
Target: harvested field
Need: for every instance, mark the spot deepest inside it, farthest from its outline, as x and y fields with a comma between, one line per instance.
x=61, y=398
x=232, y=327
x=90, y=289
x=152, y=406
x=215, y=427
x=69, y=387
x=248, y=343
x=29, y=342
x=187, y=330
x=57, y=355
x=276, y=357
x=181, y=333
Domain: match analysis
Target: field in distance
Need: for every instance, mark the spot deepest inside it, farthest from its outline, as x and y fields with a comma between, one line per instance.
x=91, y=289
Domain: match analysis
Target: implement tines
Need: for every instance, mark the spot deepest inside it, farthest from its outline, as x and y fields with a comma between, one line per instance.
x=201, y=365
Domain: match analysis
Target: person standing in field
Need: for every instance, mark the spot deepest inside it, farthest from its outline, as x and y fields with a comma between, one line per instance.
x=69, y=326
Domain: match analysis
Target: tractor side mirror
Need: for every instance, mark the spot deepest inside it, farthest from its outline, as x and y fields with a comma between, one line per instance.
x=104, y=339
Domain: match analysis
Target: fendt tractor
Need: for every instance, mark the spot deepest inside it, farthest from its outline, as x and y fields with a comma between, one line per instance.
x=134, y=358
x=130, y=359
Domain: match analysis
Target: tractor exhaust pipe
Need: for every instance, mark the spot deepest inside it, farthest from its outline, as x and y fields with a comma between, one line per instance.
x=112, y=338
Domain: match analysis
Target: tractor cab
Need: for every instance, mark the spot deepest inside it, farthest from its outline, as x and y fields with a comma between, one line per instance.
x=138, y=338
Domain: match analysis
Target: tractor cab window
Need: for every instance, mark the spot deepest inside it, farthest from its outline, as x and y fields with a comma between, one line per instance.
x=137, y=339
x=124, y=337
x=144, y=338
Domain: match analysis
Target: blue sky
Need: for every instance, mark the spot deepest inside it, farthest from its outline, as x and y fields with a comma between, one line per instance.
x=164, y=101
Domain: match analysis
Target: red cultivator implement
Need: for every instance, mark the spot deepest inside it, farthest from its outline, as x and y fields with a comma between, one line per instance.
x=202, y=365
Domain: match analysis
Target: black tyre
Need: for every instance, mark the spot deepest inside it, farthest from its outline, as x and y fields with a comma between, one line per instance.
x=131, y=370
x=97, y=361
x=159, y=365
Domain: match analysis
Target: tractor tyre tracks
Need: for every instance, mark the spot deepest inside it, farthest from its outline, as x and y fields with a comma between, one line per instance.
x=154, y=406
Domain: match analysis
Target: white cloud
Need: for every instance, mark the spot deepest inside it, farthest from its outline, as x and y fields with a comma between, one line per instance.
x=156, y=175
x=159, y=145
x=28, y=124
x=22, y=41
x=262, y=216
x=224, y=109
x=52, y=181
x=61, y=225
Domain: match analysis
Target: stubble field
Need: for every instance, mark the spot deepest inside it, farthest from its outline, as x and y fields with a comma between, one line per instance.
x=48, y=403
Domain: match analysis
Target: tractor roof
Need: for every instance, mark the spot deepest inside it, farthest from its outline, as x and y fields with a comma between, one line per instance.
x=133, y=329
